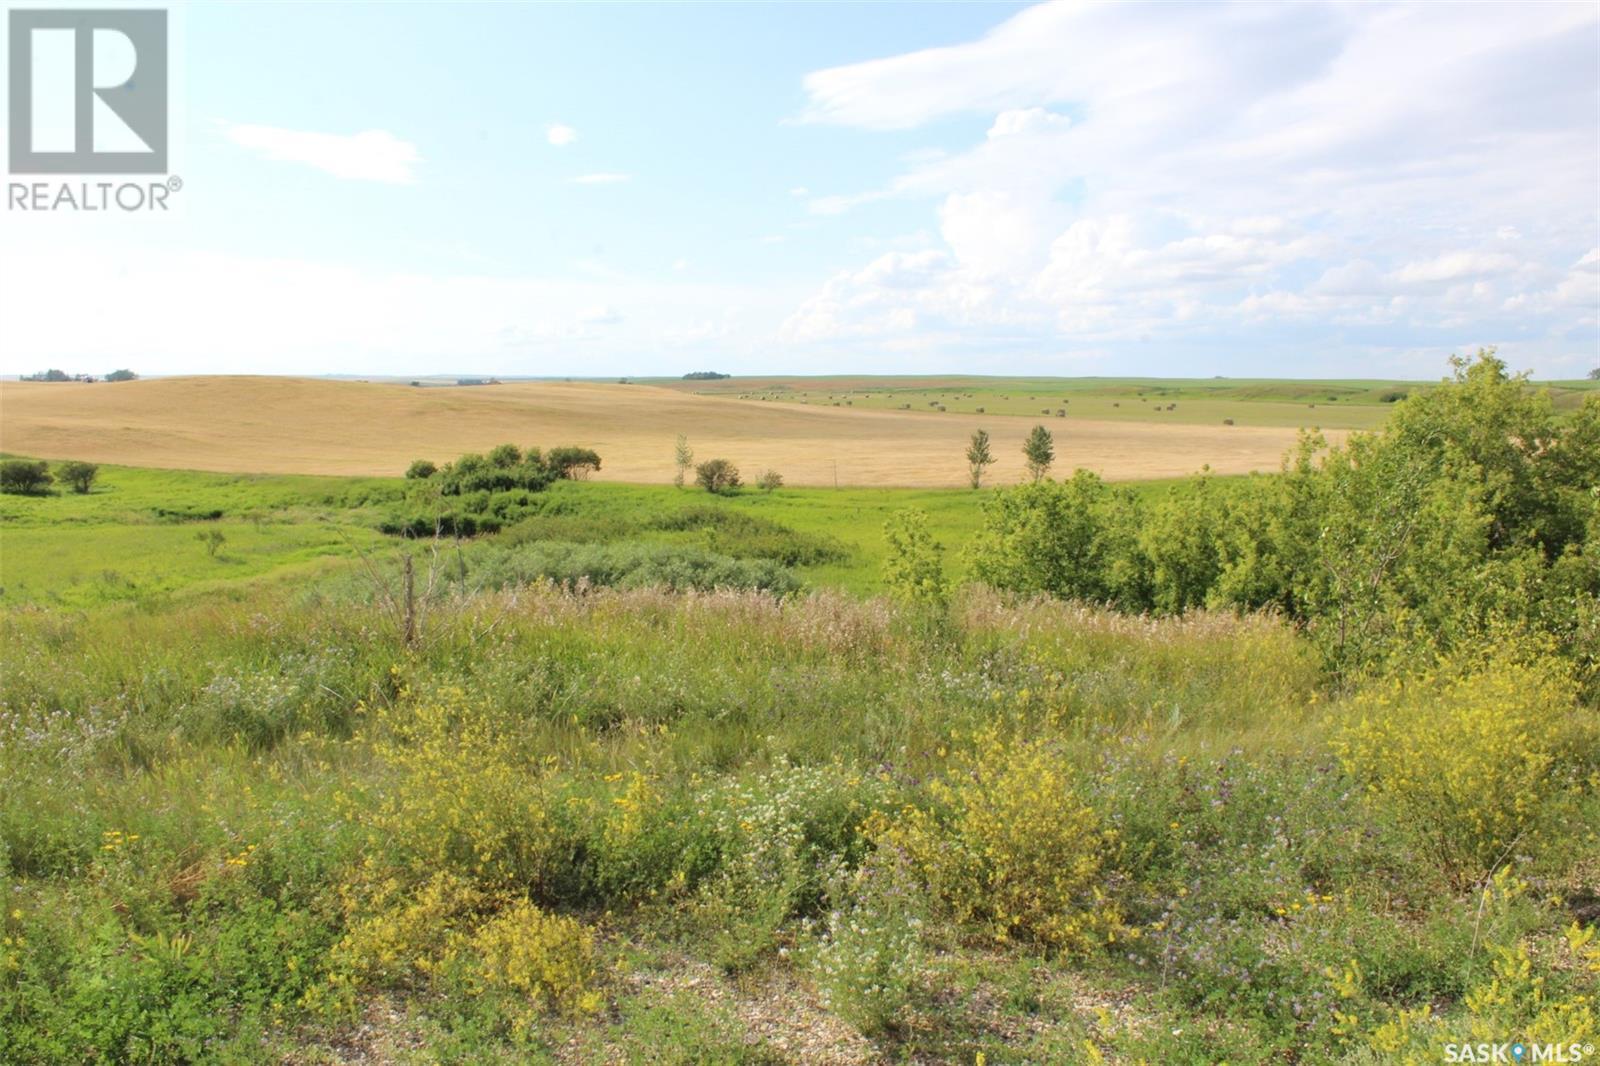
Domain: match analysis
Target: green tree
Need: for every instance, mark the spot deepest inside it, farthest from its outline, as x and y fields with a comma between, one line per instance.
x=421, y=470
x=122, y=375
x=1077, y=539
x=717, y=475
x=78, y=474
x=24, y=476
x=1040, y=451
x=505, y=455
x=914, y=568
x=979, y=457
x=769, y=481
x=683, y=457
x=573, y=464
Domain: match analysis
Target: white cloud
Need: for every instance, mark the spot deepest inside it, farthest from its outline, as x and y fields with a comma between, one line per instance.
x=371, y=155
x=601, y=178
x=560, y=135
x=1218, y=169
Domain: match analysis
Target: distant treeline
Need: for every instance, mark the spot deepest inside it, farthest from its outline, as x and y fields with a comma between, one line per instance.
x=705, y=375
x=62, y=375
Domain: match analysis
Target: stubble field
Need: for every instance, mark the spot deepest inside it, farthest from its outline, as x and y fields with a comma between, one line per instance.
x=307, y=426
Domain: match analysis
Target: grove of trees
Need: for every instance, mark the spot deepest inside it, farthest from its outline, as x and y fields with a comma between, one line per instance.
x=1474, y=514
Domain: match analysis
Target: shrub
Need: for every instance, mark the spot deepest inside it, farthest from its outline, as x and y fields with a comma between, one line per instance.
x=461, y=799
x=769, y=481
x=717, y=475
x=78, y=474
x=396, y=937
x=1468, y=759
x=212, y=539
x=629, y=566
x=421, y=469
x=505, y=456
x=1073, y=539
x=24, y=476
x=868, y=956
x=545, y=961
x=573, y=464
x=914, y=567
x=1008, y=842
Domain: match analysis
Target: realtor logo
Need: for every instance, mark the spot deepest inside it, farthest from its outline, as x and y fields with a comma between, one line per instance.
x=88, y=91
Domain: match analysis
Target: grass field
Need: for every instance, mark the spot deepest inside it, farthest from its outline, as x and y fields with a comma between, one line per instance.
x=136, y=534
x=301, y=426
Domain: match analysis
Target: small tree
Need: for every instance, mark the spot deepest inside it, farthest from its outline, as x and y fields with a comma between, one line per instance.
x=1594, y=375
x=769, y=481
x=212, y=539
x=717, y=475
x=978, y=457
x=421, y=470
x=122, y=375
x=1040, y=451
x=914, y=567
x=24, y=476
x=683, y=456
x=78, y=474
x=505, y=456
x=574, y=464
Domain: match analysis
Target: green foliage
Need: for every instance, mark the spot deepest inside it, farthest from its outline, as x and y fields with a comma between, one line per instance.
x=627, y=566
x=1074, y=539
x=1009, y=842
x=573, y=464
x=979, y=457
x=868, y=958
x=914, y=567
x=122, y=375
x=24, y=477
x=212, y=540
x=78, y=474
x=1424, y=748
x=1472, y=512
x=1039, y=450
x=717, y=476
x=769, y=480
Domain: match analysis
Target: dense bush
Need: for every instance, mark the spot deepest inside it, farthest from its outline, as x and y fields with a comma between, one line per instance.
x=1474, y=759
x=914, y=567
x=24, y=476
x=1009, y=842
x=716, y=475
x=1476, y=508
x=78, y=474
x=627, y=566
x=742, y=535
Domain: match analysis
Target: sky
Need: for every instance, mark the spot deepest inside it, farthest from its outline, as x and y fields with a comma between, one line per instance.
x=1284, y=190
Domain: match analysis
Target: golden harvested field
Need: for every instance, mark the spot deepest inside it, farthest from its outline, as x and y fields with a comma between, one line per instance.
x=312, y=426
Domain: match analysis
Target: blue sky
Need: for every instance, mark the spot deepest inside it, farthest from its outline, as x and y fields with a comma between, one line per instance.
x=1298, y=190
